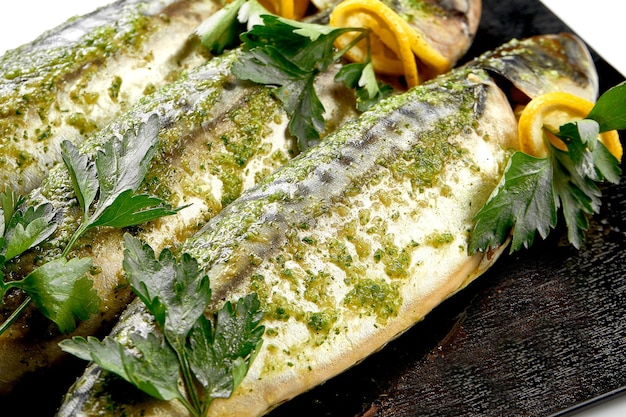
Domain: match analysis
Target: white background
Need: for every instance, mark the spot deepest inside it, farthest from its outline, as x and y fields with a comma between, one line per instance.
x=22, y=21
x=598, y=22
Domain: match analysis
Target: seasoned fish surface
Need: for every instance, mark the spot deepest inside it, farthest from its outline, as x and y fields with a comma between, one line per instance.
x=218, y=137
x=74, y=79
x=351, y=243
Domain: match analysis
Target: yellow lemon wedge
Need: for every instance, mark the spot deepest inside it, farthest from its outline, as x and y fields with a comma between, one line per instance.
x=394, y=44
x=289, y=9
x=551, y=110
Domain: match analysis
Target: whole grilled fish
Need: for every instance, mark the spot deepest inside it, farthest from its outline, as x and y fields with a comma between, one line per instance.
x=74, y=79
x=357, y=239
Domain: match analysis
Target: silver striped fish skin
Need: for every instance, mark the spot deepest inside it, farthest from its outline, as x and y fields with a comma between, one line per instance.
x=76, y=78
x=353, y=242
x=522, y=63
x=218, y=137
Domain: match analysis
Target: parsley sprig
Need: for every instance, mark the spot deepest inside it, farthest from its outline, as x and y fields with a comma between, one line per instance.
x=114, y=177
x=105, y=189
x=209, y=357
x=289, y=55
x=532, y=190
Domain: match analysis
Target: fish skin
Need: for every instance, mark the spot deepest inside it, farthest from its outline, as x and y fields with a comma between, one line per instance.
x=448, y=26
x=574, y=72
x=65, y=85
x=219, y=135
x=350, y=212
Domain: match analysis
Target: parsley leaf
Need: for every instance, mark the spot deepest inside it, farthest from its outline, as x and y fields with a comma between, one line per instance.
x=61, y=291
x=210, y=360
x=154, y=369
x=533, y=189
x=117, y=172
x=361, y=76
x=221, y=359
x=83, y=174
x=279, y=56
x=27, y=227
x=310, y=122
x=122, y=165
x=176, y=293
x=131, y=210
x=91, y=349
x=577, y=196
x=523, y=201
x=606, y=164
x=609, y=109
x=9, y=202
x=289, y=55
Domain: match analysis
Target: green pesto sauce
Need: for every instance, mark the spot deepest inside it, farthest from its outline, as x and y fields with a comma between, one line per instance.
x=315, y=283
x=396, y=261
x=316, y=289
x=82, y=123
x=248, y=125
x=437, y=240
x=374, y=297
x=115, y=87
x=338, y=254
x=422, y=164
x=377, y=226
x=149, y=89
x=366, y=295
x=278, y=308
x=229, y=172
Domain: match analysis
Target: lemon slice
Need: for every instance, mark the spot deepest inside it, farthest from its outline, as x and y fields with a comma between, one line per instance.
x=289, y=9
x=394, y=44
x=551, y=110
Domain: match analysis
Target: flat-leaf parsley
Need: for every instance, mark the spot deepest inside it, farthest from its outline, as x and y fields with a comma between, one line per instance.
x=528, y=197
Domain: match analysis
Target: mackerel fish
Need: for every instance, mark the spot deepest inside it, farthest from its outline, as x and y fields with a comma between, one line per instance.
x=351, y=243
x=74, y=79
x=218, y=136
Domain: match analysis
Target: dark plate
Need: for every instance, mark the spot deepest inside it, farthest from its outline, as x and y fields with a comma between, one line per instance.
x=542, y=333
